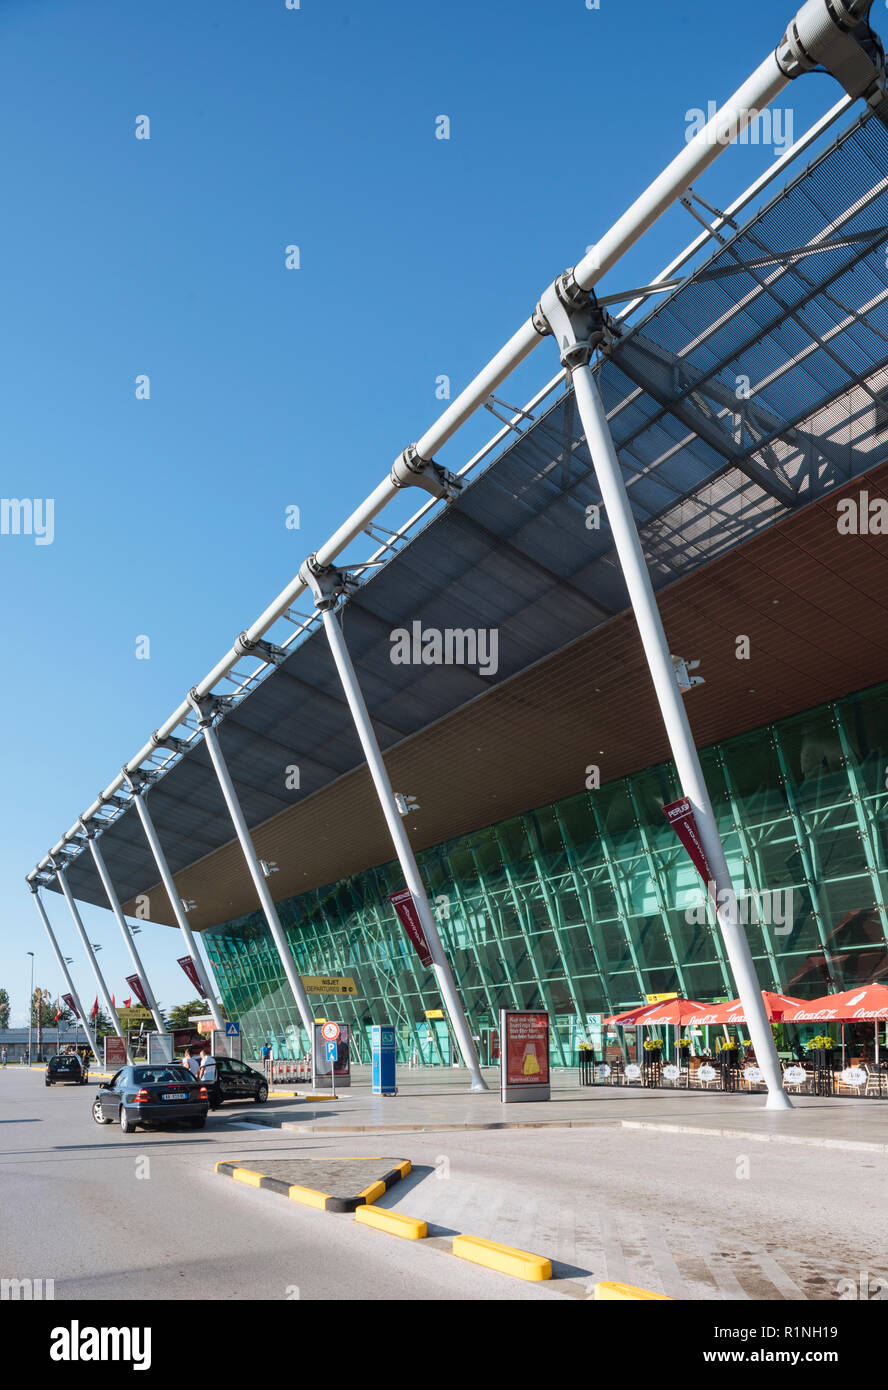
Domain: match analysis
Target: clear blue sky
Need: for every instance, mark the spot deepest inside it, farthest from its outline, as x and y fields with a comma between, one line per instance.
x=271, y=387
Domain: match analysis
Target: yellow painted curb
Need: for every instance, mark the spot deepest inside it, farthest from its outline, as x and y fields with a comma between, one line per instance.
x=519, y=1263
x=246, y=1175
x=285, y=1095
x=612, y=1290
x=392, y=1222
x=308, y=1197
x=371, y=1193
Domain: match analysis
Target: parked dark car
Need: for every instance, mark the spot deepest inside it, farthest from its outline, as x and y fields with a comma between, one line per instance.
x=65, y=1066
x=146, y=1095
x=236, y=1081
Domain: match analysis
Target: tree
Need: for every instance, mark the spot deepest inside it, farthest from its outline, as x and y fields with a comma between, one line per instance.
x=102, y=1024
x=47, y=1016
x=4, y=1009
x=180, y=1015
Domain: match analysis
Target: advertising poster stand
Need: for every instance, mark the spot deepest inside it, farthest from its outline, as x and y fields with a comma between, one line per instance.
x=160, y=1047
x=524, y=1055
x=115, y=1052
x=224, y=1044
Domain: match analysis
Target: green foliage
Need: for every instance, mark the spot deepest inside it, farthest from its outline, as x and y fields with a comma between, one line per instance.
x=4, y=1009
x=178, y=1017
x=46, y=1004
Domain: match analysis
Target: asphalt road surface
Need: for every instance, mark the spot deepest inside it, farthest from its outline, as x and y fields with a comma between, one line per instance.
x=106, y=1215
x=698, y=1217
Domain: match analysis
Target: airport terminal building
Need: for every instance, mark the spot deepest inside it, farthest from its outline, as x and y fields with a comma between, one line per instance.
x=505, y=680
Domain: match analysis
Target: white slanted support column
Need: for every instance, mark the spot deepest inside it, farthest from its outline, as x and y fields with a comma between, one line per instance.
x=206, y=710
x=580, y=328
x=91, y=956
x=114, y=904
x=326, y=586
x=138, y=784
x=63, y=966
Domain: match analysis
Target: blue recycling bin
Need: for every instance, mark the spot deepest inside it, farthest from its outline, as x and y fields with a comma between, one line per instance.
x=382, y=1049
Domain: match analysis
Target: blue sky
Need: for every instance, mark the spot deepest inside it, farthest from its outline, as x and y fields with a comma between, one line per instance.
x=273, y=387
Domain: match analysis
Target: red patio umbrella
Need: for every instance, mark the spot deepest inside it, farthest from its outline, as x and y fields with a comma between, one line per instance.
x=866, y=1004
x=777, y=1006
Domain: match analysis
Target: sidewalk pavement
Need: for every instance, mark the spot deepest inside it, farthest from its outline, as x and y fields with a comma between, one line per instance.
x=441, y=1100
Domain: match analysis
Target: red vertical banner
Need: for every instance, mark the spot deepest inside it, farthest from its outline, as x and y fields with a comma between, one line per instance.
x=135, y=985
x=404, y=905
x=190, y=969
x=681, y=817
x=66, y=998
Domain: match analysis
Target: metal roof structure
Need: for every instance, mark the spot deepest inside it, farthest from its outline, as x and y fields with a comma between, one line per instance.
x=758, y=386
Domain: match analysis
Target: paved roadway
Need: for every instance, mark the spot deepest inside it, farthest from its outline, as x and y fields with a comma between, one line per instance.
x=74, y=1209
x=695, y=1217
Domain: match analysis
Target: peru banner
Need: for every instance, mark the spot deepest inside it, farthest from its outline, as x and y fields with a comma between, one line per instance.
x=190, y=969
x=66, y=999
x=681, y=817
x=135, y=985
x=403, y=903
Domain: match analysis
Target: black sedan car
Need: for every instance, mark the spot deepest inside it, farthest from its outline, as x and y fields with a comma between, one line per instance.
x=151, y=1095
x=236, y=1081
x=65, y=1066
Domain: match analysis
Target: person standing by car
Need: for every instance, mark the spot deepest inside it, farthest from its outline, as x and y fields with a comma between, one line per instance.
x=191, y=1062
x=207, y=1075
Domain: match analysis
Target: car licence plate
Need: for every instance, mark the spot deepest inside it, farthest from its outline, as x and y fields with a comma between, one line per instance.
x=174, y=1095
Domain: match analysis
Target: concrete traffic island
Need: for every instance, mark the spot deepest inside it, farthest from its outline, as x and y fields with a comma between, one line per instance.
x=342, y=1184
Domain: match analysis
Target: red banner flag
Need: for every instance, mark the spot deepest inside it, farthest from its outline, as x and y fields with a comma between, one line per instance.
x=404, y=905
x=94, y=1010
x=128, y=1003
x=58, y=1012
x=190, y=969
x=135, y=985
x=681, y=817
x=66, y=998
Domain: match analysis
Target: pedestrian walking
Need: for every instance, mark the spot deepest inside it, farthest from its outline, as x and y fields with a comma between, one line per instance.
x=265, y=1054
x=3, y=1056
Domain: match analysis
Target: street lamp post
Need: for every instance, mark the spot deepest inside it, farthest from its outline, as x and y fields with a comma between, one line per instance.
x=30, y=1006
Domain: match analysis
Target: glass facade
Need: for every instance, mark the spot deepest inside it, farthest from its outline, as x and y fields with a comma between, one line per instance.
x=587, y=905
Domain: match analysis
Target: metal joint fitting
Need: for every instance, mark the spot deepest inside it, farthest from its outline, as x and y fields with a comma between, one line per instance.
x=176, y=745
x=259, y=648
x=88, y=830
x=834, y=34
x=206, y=708
x=577, y=321
x=137, y=781
x=326, y=583
x=409, y=470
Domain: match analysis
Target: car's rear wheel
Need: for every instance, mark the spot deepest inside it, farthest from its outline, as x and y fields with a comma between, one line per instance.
x=126, y=1124
x=198, y=1121
x=98, y=1114
x=261, y=1094
x=49, y=1083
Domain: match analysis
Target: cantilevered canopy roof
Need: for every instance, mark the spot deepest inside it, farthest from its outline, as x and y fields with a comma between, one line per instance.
x=756, y=388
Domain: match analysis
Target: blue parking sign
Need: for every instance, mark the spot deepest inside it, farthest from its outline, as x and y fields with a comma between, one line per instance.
x=332, y=1051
